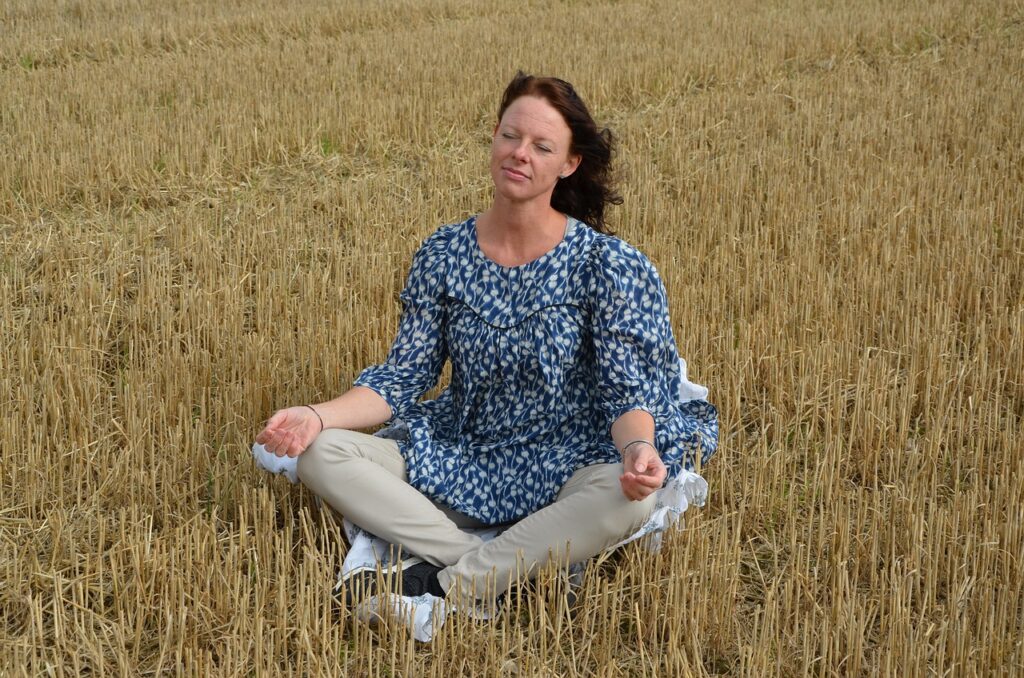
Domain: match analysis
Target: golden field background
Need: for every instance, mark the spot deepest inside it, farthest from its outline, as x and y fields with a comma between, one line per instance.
x=207, y=211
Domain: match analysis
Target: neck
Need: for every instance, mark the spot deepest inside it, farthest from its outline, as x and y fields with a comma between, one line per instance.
x=515, y=233
x=514, y=223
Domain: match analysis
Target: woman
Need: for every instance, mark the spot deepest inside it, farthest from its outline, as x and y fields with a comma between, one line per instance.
x=563, y=415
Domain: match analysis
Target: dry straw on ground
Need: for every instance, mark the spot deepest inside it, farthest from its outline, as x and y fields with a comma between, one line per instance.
x=206, y=210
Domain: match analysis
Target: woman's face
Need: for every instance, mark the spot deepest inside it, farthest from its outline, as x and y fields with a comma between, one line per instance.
x=530, y=149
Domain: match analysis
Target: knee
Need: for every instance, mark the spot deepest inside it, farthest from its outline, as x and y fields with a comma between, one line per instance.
x=615, y=516
x=626, y=516
x=331, y=446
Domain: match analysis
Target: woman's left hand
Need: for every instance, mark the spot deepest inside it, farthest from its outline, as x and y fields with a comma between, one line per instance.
x=644, y=472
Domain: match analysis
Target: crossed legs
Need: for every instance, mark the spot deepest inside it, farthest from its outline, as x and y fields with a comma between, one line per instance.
x=363, y=478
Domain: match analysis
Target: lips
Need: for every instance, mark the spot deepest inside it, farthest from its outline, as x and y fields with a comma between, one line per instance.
x=515, y=174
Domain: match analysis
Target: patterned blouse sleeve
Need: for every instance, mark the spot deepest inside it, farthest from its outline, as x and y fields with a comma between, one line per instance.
x=418, y=353
x=633, y=342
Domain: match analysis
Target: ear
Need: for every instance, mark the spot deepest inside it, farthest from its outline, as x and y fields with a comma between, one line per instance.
x=570, y=166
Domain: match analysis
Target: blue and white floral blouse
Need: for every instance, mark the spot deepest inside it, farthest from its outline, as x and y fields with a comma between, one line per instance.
x=545, y=356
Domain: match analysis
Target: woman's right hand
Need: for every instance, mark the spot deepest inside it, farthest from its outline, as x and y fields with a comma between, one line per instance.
x=290, y=431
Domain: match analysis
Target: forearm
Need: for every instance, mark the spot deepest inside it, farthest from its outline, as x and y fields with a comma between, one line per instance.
x=630, y=426
x=357, y=408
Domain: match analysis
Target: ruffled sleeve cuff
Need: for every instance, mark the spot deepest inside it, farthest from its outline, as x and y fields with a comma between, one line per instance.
x=375, y=379
x=612, y=411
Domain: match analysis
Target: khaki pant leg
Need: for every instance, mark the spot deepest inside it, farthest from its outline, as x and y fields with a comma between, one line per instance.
x=589, y=515
x=363, y=478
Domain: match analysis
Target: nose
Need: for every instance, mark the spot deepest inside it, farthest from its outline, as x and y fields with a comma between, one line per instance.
x=520, y=152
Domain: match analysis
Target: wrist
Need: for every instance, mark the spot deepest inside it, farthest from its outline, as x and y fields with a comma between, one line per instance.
x=638, y=443
x=319, y=418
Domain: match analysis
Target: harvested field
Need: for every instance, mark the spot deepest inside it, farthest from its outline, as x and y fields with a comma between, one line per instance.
x=207, y=211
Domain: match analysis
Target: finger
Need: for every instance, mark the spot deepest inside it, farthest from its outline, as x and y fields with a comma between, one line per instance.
x=301, y=443
x=270, y=439
x=655, y=465
x=648, y=481
x=295, y=447
x=273, y=437
x=289, y=443
x=641, y=488
x=651, y=460
x=267, y=440
x=627, y=485
x=632, y=489
x=266, y=435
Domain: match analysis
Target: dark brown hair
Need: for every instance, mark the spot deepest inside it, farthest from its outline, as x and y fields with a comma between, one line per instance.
x=585, y=193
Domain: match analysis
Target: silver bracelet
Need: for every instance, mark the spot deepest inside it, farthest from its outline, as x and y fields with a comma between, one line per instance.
x=639, y=440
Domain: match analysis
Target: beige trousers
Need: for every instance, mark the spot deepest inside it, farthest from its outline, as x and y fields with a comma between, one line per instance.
x=363, y=478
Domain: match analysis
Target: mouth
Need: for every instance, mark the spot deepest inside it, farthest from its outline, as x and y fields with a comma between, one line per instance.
x=515, y=174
